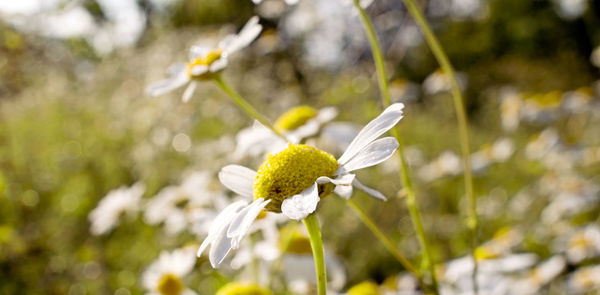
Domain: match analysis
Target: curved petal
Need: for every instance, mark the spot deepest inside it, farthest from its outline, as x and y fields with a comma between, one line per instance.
x=167, y=85
x=223, y=220
x=198, y=70
x=189, y=91
x=241, y=224
x=327, y=114
x=343, y=184
x=218, y=64
x=249, y=32
x=372, y=192
x=373, y=154
x=219, y=248
x=239, y=179
x=301, y=205
x=373, y=130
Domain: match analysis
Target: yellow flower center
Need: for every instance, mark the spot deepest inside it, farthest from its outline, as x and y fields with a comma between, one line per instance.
x=236, y=288
x=364, y=288
x=293, y=241
x=289, y=172
x=170, y=284
x=295, y=118
x=206, y=60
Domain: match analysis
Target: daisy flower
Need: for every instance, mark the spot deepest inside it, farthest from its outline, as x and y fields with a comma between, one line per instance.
x=292, y=181
x=165, y=275
x=296, y=124
x=116, y=203
x=238, y=288
x=205, y=62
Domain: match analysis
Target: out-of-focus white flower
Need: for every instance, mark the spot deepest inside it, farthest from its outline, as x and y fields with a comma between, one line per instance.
x=510, y=109
x=288, y=182
x=116, y=203
x=204, y=62
x=569, y=194
x=438, y=82
x=288, y=2
x=570, y=9
x=540, y=144
x=498, y=152
x=584, y=279
x=583, y=244
x=541, y=108
x=504, y=240
x=296, y=125
x=447, y=164
x=189, y=204
x=165, y=275
x=401, y=284
x=577, y=101
x=541, y=275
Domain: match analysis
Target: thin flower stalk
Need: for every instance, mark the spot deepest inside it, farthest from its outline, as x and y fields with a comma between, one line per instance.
x=411, y=200
x=245, y=106
x=442, y=58
x=314, y=232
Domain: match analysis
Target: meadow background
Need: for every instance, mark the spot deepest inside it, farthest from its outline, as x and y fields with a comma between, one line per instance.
x=75, y=123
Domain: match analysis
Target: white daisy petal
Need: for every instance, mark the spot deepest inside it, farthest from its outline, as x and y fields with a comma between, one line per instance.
x=221, y=221
x=241, y=224
x=198, y=70
x=238, y=179
x=327, y=114
x=343, y=184
x=197, y=51
x=378, y=126
x=176, y=68
x=372, y=192
x=218, y=64
x=301, y=205
x=219, y=248
x=373, y=154
x=249, y=32
x=189, y=91
x=164, y=86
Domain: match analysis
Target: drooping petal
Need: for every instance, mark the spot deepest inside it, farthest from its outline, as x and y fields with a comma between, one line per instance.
x=219, y=248
x=372, y=192
x=378, y=126
x=221, y=221
x=299, y=206
x=238, y=179
x=189, y=91
x=373, y=154
x=241, y=224
x=167, y=85
x=343, y=184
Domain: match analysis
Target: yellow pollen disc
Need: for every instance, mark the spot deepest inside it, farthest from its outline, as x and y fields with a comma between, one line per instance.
x=293, y=241
x=295, y=118
x=291, y=171
x=364, y=288
x=206, y=60
x=170, y=284
x=236, y=288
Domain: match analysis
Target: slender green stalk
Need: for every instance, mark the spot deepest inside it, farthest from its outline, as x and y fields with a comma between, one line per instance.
x=245, y=106
x=387, y=243
x=442, y=58
x=316, y=243
x=411, y=200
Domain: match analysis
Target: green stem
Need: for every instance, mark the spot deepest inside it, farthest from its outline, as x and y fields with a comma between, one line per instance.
x=411, y=200
x=387, y=243
x=314, y=232
x=442, y=58
x=245, y=106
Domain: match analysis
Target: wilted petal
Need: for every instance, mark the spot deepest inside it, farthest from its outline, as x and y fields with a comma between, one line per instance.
x=301, y=205
x=238, y=179
x=373, y=154
x=241, y=224
x=372, y=192
x=373, y=130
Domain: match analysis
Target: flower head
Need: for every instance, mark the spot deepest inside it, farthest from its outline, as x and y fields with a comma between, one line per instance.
x=205, y=62
x=237, y=288
x=293, y=181
x=117, y=202
x=165, y=275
